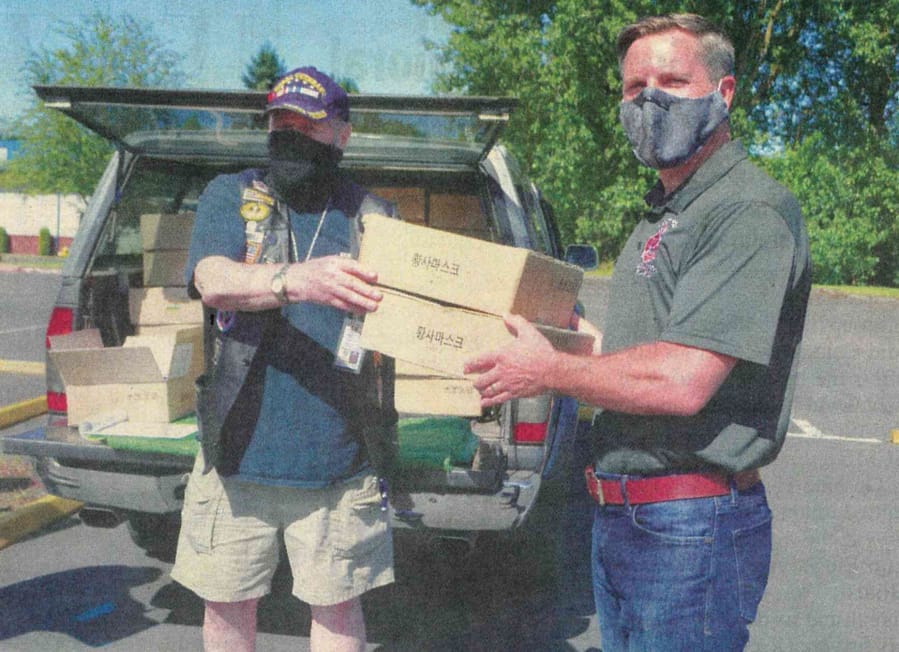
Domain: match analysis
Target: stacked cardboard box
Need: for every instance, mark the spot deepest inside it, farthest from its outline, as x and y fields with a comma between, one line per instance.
x=165, y=238
x=444, y=297
x=471, y=273
x=159, y=308
x=420, y=390
x=149, y=380
x=162, y=302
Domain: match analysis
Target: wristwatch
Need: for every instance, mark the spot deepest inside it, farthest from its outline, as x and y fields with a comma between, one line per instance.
x=278, y=286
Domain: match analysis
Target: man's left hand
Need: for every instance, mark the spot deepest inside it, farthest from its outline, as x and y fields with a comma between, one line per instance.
x=514, y=371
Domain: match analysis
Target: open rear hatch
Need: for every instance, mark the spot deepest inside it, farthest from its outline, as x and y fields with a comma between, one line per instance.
x=389, y=132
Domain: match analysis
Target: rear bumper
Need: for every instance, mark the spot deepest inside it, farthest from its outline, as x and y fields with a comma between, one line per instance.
x=506, y=509
x=128, y=481
x=153, y=494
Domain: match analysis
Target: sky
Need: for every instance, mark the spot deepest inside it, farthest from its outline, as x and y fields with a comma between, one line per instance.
x=378, y=43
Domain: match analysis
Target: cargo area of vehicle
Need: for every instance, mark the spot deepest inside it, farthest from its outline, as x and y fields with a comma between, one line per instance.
x=437, y=159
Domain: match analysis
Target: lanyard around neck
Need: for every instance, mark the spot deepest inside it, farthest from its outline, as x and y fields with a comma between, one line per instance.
x=318, y=230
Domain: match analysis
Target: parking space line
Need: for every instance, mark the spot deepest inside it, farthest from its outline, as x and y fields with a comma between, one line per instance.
x=24, y=367
x=808, y=431
x=23, y=329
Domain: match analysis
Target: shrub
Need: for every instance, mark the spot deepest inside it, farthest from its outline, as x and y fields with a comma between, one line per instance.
x=849, y=197
x=44, y=242
x=4, y=241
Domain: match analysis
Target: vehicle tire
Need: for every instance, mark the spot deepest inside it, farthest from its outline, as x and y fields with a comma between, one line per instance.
x=156, y=534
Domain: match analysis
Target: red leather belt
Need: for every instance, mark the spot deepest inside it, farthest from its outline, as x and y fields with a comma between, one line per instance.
x=641, y=491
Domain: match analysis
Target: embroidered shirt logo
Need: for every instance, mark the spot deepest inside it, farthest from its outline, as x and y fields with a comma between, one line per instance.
x=646, y=267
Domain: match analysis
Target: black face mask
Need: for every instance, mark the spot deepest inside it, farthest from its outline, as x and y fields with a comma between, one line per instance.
x=303, y=171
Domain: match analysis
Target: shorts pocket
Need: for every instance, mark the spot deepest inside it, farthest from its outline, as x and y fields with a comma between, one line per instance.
x=358, y=523
x=202, y=500
x=752, y=547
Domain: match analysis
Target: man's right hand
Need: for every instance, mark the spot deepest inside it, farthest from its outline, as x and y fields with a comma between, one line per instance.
x=335, y=281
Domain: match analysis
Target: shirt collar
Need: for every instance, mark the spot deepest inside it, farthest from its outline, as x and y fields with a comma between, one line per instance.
x=715, y=167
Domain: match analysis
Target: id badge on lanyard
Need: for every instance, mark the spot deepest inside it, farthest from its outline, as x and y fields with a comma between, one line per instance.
x=349, y=354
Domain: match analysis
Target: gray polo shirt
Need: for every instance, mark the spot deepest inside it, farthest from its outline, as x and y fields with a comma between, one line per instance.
x=721, y=264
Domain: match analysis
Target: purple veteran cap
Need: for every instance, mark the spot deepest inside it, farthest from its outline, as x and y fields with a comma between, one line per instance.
x=312, y=94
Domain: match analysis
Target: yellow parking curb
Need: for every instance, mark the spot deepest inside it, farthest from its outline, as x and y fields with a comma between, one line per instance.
x=894, y=436
x=34, y=516
x=22, y=411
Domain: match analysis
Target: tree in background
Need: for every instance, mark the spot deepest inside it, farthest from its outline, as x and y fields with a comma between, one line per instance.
x=264, y=69
x=348, y=84
x=822, y=71
x=57, y=154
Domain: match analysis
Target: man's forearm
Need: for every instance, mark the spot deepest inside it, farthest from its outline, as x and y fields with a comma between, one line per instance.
x=229, y=285
x=657, y=378
x=335, y=281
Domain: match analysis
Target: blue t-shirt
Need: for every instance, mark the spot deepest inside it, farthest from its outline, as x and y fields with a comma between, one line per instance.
x=300, y=438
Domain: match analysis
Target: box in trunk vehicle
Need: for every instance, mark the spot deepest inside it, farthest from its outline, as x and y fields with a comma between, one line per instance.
x=166, y=230
x=150, y=378
x=162, y=306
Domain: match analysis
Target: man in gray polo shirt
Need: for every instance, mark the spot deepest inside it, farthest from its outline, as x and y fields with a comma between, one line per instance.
x=694, y=368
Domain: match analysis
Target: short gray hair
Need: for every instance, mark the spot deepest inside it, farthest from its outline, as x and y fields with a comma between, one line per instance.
x=717, y=51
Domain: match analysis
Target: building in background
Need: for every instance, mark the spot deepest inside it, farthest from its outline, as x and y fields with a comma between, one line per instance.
x=8, y=150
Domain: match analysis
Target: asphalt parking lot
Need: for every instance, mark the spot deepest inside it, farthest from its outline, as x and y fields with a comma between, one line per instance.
x=833, y=492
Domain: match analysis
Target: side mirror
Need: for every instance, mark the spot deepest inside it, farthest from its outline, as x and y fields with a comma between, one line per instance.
x=583, y=255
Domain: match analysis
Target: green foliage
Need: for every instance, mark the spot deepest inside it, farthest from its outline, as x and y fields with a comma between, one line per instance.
x=44, y=242
x=57, y=154
x=264, y=69
x=4, y=241
x=348, y=84
x=806, y=69
x=850, y=199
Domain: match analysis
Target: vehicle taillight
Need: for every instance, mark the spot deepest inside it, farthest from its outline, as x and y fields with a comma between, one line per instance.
x=530, y=433
x=532, y=420
x=61, y=321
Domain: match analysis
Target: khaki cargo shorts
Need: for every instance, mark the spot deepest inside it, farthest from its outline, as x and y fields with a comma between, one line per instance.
x=337, y=539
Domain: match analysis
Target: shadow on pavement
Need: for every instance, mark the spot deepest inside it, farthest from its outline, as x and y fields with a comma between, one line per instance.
x=92, y=604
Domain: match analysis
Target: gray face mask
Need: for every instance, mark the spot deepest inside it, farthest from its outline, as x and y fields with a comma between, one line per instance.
x=666, y=130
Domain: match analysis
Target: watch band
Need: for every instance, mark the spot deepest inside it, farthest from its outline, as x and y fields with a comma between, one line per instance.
x=278, y=286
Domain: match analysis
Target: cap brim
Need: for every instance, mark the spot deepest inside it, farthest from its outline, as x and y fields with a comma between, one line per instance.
x=316, y=114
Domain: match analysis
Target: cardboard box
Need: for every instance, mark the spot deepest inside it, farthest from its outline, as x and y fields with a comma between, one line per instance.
x=410, y=202
x=436, y=395
x=166, y=230
x=443, y=337
x=150, y=377
x=456, y=213
x=468, y=272
x=157, y=306
x=419, y=390
x=165, y=267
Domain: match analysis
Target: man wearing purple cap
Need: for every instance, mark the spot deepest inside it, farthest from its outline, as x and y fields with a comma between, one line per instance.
x=293, y=426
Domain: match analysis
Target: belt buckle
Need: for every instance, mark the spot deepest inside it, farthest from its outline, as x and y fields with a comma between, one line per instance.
x=594, y=486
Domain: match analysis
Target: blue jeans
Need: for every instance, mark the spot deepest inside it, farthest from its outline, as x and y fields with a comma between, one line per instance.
x=683, y=575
